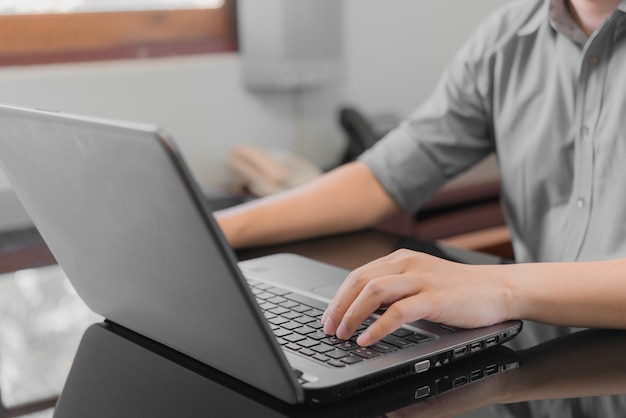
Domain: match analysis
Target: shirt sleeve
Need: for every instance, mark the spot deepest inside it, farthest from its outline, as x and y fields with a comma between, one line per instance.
x=447, y=134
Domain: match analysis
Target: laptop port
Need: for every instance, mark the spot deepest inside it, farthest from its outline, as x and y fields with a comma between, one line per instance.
x=444, y=384
x=509, y=366
x=422, y=366
x=476, y=346
x=459, y=381
x=491, y=370
x=491, y=341
x=422, y=392
x=459, y=352
x=476, y=375
x=443, y=358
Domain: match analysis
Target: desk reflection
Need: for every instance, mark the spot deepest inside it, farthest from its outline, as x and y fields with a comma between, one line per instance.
x=578, y=374
x=117, y=373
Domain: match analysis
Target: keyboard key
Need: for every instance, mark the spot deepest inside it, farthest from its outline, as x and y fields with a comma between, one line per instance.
x=304, y=330
x=279, y=321
x=266, y=306
x=401, y=332
x=351, y=359
x=316, y=313
x=318, y=335
x=279, y=310
x=308, y=343
x=304, y=319
x=307, y=352
x=337, y=363
x=291, y=325
x=322, y=348
x=332, y=340
x=321, y=357
x=347, y=345
x=293, y=346
x=276, y=299
x=293, y=338
x=281, y=332
x=289, y=304
x=381, y=347
x=337, y=354
x=417, y=338
x=365, y=352
x=397, y=341
x=291, y=315
x=315, y=324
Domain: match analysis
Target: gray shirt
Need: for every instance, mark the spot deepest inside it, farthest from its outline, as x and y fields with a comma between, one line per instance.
x=551, y=102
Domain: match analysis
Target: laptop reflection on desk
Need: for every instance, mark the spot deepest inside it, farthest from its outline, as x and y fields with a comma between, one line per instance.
x=117, y=373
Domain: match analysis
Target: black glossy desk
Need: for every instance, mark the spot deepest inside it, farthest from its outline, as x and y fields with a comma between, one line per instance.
x=545, y=372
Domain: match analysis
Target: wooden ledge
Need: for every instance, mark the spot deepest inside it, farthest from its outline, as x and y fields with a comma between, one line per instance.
x=495, y=240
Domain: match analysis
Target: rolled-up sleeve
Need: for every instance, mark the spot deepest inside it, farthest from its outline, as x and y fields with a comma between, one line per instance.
x=447, y=134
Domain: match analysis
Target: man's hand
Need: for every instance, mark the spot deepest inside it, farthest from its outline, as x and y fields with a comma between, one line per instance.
x=415, y=286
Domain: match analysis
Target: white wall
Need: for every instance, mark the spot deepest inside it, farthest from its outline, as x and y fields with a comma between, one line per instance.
x=394, y=51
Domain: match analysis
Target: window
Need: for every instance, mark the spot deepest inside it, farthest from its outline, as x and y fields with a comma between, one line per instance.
x=74, y=6
x=44, y=31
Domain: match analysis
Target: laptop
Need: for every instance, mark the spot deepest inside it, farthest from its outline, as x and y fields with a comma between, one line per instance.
x=122, y=214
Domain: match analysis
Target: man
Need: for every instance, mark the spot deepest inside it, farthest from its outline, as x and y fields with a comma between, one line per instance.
x=543, y=84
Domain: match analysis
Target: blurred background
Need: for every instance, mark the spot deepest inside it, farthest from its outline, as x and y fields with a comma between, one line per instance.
x=215, y=74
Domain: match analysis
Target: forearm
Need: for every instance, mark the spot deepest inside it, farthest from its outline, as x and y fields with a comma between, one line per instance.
x=345, y=199
x=584, y=294
x=414, y=286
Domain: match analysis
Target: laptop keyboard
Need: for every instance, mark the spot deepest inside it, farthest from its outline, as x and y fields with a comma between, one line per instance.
x=296, y=322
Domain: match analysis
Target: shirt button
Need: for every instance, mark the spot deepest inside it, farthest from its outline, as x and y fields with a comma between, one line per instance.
x=593, y=60
x=584, y=132
x=580, y=203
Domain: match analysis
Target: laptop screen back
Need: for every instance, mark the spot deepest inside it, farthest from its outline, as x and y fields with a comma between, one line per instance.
x=122, y=216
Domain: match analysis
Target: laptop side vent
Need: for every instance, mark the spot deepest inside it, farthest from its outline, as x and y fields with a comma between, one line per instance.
x=385, y=378
x=373, y=382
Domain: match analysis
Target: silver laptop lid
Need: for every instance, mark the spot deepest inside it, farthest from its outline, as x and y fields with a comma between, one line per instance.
x=125, y=220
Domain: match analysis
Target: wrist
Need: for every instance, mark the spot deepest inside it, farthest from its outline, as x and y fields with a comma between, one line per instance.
x=511, y=292
x=229, y=226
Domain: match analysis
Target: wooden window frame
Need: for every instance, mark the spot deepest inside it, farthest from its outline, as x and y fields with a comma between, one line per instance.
x=74, y=37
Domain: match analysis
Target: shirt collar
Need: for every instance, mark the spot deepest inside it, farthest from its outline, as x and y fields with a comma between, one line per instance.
x=562, y=20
